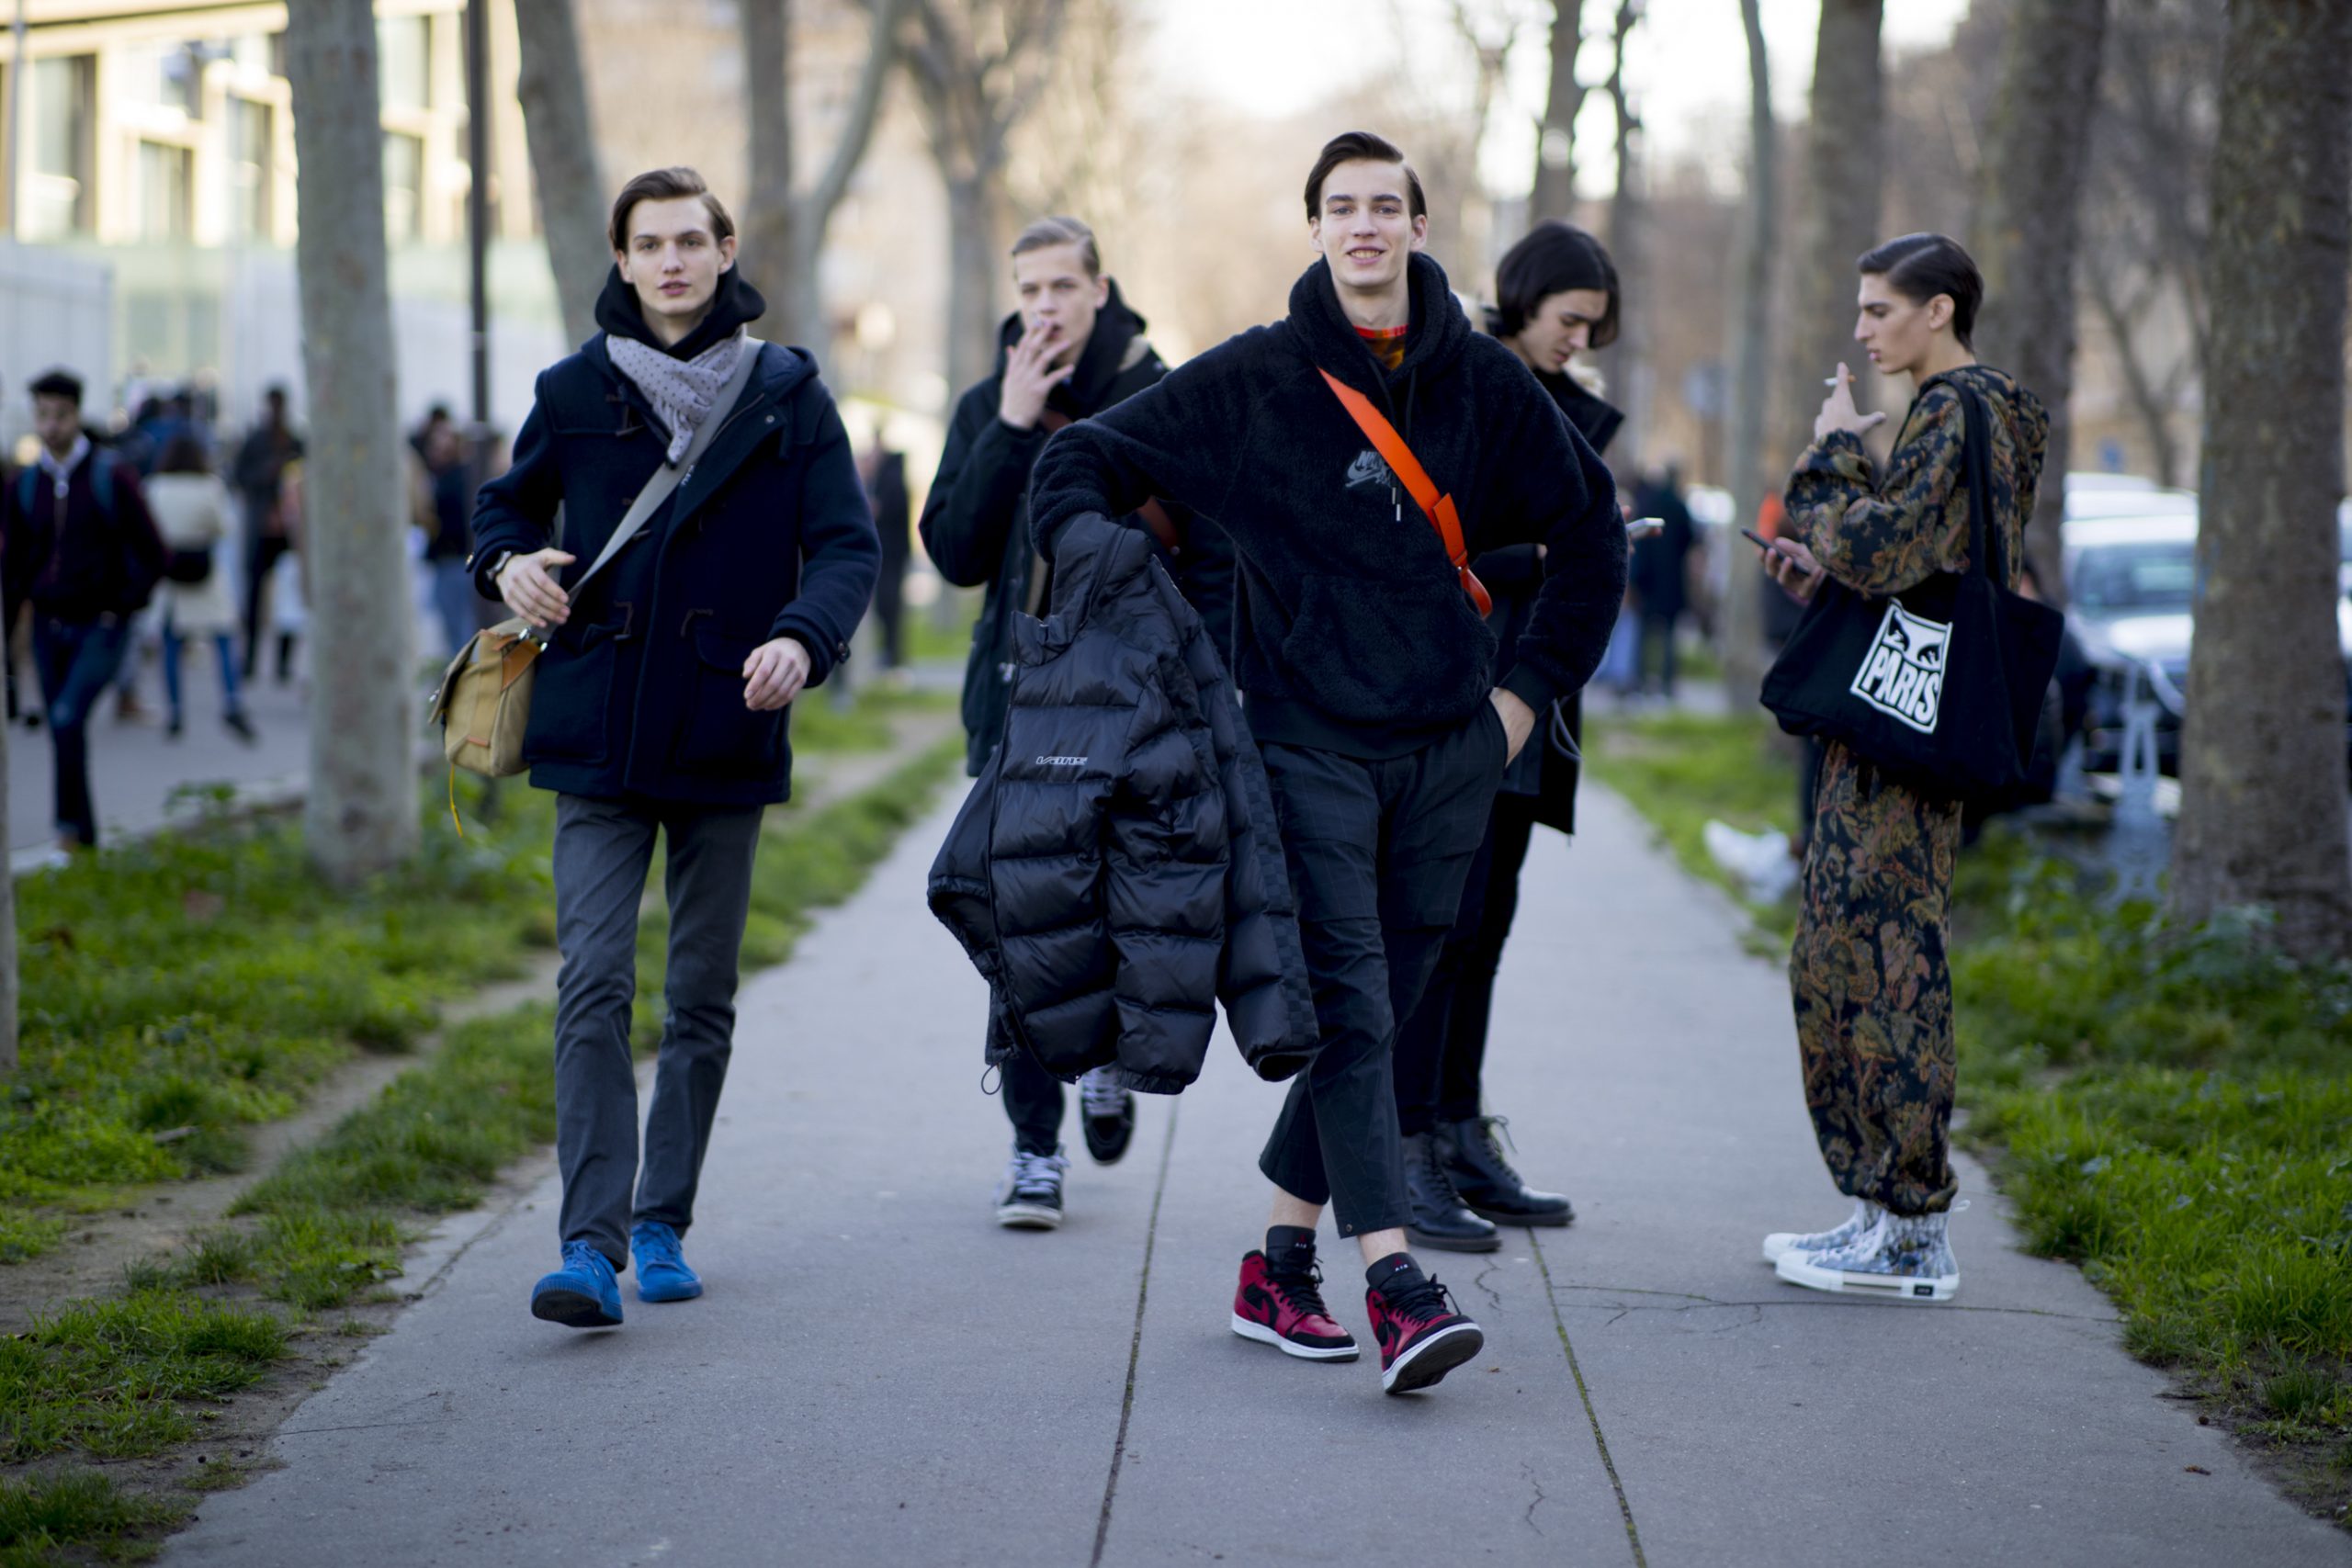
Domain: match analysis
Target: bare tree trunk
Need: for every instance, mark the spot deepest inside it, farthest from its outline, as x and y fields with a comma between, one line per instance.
x=2150, y=403
x=978, y=65
x=1744, y=464
x=802, y=300
x=1626, y=362
x=553, y=89
x=8, y=1013
x=974, y=262
x=2262, y=774
x=766, y=243
x=1555, y=193
x=1843, y=159
x=783, y=229
x=360, y=816
x=2029, y=214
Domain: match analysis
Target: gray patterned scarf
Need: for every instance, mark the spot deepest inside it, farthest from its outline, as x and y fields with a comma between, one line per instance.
x=681, y=390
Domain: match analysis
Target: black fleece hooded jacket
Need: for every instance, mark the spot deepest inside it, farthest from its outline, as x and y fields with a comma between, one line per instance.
x=1351, y=633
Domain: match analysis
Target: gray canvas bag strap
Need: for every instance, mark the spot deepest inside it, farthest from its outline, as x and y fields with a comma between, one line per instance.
x=667, y=477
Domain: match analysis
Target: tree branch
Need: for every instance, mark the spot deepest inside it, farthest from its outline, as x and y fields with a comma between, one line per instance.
x=857, y=130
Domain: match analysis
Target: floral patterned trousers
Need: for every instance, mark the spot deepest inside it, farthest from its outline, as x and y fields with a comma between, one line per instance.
x=1871, y=985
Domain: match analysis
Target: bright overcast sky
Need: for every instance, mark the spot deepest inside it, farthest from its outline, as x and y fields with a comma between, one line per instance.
x=1688, y=73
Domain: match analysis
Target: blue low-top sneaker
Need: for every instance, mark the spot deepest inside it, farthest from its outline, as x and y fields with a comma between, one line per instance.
x=583, y=1294
x=661, y=1272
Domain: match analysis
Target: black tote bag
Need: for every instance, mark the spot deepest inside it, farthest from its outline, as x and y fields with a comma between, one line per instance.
x=1941, y=686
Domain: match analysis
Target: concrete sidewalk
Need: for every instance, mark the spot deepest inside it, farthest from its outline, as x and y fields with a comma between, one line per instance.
x=880, y=1375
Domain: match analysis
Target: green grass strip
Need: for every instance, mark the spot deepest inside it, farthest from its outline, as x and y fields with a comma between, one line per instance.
x=1680, y=769
x=43, y=1514
x=180, y=989
x=132, y=1376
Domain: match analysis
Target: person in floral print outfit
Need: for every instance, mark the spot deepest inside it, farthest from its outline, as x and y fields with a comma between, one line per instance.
x=1868, y=971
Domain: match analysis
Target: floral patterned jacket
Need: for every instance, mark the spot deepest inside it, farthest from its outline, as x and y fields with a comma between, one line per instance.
x=1880, y=535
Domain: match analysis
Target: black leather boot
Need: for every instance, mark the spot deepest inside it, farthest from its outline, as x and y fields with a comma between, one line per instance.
x=1439, y=1218
x=1473, y=1159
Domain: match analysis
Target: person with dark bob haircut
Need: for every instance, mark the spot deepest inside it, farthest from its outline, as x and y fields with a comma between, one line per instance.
x=1556, y=297
x=1868, y=972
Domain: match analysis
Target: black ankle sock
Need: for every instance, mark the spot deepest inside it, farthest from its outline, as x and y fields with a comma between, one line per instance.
x=1393, y=1274
x=1285, y=1243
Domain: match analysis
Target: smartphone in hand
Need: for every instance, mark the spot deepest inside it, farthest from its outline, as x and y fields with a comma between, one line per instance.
x=1764, y=544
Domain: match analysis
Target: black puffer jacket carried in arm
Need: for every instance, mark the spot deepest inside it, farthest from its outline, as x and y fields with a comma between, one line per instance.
x=1117, y=871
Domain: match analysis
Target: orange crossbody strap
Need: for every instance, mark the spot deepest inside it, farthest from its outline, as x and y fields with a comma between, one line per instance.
x=1402, y=462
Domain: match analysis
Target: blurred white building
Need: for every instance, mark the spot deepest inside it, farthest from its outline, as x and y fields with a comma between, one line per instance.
x=149, y=239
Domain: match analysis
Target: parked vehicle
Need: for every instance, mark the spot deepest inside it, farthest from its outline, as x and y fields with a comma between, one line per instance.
x=2124, y=495
x=2132, y=587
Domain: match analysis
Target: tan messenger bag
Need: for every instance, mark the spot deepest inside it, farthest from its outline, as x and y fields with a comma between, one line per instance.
x=483, y=703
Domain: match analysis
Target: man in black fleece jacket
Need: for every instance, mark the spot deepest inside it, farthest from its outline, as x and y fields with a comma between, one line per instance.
x=1073, y=348
x=1368, y=673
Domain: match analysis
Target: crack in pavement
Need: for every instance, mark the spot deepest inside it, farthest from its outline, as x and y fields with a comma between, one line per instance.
x=1479, y=1282
x=1616, y=1483
x=1134, y=1346
x=360, y=1426
x=1753, y=1317
x=1691, y=1302
x=1529, y=1470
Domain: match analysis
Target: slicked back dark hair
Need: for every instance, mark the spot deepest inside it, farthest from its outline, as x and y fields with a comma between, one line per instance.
x=1921, y=267
x=667, y=184
x=1362, y=147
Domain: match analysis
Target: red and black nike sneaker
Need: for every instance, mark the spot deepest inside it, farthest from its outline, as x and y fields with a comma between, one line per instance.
x=1421, y=1337
x=1285, y=1309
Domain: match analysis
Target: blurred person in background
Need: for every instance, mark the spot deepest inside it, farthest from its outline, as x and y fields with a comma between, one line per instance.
x=884, y=474
x=20, y=711
x=443, y=498
x=1556, y=299
x=259, y=468
x=193, y=515
x=83, y=553
x=1661, y=575
x=1868, y=971
x=1072, y=350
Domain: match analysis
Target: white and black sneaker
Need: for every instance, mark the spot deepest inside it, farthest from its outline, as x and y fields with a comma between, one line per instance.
x=1108, y=1116
x=1905, y=1258
x=1030, y=1197
x=1865, y=1215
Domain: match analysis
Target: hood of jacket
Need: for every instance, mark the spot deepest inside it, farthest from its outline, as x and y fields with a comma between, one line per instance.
x=1099, y=363
x=735, y=304
x=1433, y=347
x=2010, y=402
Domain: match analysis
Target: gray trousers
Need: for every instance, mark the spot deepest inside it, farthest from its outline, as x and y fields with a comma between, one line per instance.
x=602, y=851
